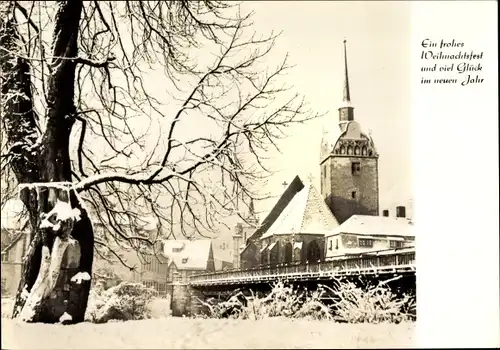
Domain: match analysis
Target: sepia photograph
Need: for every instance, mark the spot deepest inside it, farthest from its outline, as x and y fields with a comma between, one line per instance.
x=207, y=174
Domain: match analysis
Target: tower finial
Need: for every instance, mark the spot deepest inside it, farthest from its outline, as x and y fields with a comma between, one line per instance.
x=346, y=111
x=347, y=94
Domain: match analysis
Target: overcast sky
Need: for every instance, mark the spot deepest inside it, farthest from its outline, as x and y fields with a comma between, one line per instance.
x=378, y=45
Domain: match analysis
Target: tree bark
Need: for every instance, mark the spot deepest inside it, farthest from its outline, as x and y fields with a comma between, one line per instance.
x=46, y=291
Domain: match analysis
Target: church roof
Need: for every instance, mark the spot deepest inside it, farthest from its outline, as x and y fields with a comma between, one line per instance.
x=295, y=186
x=376, y=226
x=306, y=213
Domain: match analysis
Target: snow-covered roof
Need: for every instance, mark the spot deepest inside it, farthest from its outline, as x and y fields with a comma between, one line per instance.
x=293, y=188
x=349, y=130
x=375, y=226
x=191, y=255
x=221, y=263
x=306, y=213
x=11, y=215
x=329, y=139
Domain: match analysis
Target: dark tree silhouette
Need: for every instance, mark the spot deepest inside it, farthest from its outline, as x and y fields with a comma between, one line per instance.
x=86, y=135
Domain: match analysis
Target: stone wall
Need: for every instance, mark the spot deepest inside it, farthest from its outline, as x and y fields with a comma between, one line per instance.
x=347, y=194
x=180, y=299
x=250, y=256
x=186, y=301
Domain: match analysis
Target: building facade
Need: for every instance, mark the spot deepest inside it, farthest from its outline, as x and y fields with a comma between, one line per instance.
x=14, y=238
x=293, y=231
x=365, y=233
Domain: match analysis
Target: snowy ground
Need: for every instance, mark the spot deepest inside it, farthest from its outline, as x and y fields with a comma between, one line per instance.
x=184, y=333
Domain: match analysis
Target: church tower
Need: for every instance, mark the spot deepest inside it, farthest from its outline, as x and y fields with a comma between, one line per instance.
x=349, y=164
x=243, y=231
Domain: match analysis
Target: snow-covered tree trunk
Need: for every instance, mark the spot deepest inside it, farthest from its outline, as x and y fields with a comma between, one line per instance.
x=56, y=216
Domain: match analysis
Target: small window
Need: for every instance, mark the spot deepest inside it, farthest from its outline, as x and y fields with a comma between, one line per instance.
x=176, y=250
x=330, y=246
x=336, y=244
x=356, y=168
x=184, y=260
x=396, y=244
x=353, y=194
x=363, y=242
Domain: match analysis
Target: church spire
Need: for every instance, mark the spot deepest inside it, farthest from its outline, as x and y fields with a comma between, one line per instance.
x=347, y=94
x=346, y=111
x=251, y=209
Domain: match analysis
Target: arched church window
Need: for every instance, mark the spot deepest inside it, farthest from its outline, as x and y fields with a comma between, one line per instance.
x=288, y=253
x=357, y=150
x=370, y=153
x=349, y=150
x=364, y=151
x=342, y=150
x=313, y=253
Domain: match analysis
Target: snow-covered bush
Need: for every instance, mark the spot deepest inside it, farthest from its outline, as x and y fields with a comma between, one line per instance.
x=159, y=307
x=348, y=303
x=282, y=301
x=126, y=301
x=372, y=304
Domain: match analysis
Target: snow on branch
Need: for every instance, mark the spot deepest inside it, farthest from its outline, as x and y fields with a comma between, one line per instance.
x=80, y=276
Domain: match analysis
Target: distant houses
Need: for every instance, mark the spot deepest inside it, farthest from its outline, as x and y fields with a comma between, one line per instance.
x=14, y=228
x=158, y=268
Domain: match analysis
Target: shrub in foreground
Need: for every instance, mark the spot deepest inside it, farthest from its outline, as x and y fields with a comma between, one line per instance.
x=373, y=304
x=126, y=301
x=282, y=301
x=347, y=303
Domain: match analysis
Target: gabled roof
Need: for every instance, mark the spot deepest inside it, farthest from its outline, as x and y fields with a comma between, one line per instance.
x=306, y=213
x=295, y=186
x=188, y=255
x=376, y=226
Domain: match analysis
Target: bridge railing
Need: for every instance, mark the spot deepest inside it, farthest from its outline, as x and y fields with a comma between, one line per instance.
x=345, y=263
